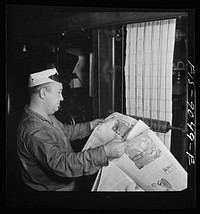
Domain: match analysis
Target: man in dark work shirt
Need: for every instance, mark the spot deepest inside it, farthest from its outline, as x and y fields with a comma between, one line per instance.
x=48, y=162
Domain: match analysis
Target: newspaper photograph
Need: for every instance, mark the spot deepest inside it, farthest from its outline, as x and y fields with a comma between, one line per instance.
x=151, y=165
x=116, y=126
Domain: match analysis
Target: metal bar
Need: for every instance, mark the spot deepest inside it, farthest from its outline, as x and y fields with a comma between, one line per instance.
x=98, y=72
x=158, y=125
x=113, y=74
x=91, y=74
x=122, y=74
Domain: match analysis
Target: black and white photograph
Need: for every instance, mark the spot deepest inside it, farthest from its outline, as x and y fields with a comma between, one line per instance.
x=73, y=73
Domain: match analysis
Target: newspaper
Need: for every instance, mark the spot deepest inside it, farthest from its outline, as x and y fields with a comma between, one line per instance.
x=147, y=164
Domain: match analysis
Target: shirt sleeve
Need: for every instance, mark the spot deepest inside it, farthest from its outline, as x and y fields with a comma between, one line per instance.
x=63, y=161
x=77, y=131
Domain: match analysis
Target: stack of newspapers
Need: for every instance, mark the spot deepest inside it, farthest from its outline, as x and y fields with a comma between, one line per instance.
x=147, y=164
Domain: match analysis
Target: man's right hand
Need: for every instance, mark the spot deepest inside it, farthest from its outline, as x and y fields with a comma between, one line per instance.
x=115, y=148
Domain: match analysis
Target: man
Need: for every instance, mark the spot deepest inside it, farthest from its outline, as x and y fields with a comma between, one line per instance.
x=43, y=143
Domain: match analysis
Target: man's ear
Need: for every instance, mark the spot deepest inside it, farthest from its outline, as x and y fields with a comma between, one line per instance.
x=43, y=93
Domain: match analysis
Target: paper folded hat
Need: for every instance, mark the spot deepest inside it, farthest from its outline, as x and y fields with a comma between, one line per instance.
x=45, y=76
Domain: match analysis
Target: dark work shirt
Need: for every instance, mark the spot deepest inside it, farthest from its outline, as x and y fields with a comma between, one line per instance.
x=48, y=160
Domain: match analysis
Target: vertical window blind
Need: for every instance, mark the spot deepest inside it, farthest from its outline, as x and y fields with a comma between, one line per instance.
x=148, y=71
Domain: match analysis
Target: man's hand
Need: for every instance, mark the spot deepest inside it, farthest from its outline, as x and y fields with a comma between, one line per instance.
x=115, y=148
x=96, y=122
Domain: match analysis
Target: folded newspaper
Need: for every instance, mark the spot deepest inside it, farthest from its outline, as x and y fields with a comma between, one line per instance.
x=147, y=164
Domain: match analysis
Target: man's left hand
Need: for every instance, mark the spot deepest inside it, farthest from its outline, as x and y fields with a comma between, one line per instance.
x=96, y=122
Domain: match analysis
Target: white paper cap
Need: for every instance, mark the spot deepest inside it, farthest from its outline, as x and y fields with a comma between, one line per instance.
x=43, y=77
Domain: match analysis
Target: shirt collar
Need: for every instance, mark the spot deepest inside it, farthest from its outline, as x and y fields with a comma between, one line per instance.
x=35, y=114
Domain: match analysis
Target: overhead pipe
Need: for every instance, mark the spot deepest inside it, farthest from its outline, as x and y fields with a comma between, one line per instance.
x=65, y=21
x=89, y=19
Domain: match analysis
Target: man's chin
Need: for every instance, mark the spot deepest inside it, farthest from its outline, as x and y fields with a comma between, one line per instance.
x=56, y=109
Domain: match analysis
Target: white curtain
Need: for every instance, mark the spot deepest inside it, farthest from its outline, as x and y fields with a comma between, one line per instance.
x=148, y=71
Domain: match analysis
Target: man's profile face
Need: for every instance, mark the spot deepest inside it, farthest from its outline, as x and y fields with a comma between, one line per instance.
x=53, y=98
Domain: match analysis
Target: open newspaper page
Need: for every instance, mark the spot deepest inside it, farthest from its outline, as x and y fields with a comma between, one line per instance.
x=112, y=178
x=118, y=126
x=147, y=163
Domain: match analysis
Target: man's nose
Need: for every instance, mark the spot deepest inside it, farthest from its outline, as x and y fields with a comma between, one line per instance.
x=61, y=97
